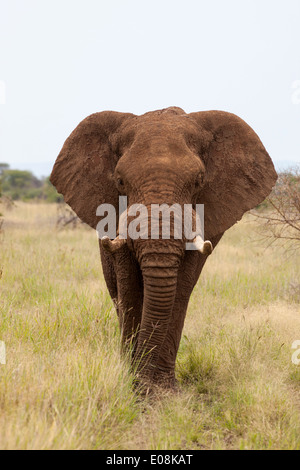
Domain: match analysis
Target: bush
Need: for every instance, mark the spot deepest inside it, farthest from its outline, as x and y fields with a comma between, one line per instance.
x=25, y=186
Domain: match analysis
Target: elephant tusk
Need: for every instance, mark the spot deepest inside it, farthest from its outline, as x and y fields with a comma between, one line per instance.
x=204, y=247
x=112, y=245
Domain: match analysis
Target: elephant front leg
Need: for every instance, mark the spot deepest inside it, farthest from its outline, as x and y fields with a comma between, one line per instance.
x=129, y=309
x=128, y=297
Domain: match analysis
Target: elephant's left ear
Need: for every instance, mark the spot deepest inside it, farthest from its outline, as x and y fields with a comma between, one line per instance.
x=239, y=174
x=84, y=169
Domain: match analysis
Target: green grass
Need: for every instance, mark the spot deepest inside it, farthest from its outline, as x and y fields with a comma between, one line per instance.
x=66, y=385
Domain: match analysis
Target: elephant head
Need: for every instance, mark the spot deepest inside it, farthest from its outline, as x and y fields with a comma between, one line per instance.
x=167, y=156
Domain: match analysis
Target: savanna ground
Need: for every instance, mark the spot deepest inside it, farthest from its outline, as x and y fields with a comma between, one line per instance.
x=65, y=385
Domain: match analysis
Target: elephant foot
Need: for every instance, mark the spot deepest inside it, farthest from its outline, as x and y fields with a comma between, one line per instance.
x=159, y=384
x=165, y=380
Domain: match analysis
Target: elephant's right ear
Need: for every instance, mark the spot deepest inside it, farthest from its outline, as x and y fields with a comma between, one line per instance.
x=83, y=171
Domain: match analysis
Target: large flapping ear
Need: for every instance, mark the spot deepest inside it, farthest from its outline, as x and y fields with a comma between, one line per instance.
x=83, y=171
x=239, y=174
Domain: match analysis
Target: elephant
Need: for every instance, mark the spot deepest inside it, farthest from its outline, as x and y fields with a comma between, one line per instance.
x=165, y=156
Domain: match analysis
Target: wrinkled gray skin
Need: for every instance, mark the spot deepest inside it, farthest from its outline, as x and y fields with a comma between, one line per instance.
x=167, y=156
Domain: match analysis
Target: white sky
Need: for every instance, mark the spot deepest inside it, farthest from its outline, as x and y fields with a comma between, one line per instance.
x=62, y=60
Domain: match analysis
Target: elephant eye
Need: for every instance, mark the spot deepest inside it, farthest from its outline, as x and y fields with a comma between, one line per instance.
x=120, y=185
x=119, y=182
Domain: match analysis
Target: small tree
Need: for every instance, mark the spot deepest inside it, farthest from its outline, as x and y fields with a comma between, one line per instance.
x=281, y=218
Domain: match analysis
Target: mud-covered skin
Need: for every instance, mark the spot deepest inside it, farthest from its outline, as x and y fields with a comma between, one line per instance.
x=167, y=156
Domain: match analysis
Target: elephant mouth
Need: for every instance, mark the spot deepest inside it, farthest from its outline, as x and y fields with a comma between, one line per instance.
x=112, y=246
x=160, y=228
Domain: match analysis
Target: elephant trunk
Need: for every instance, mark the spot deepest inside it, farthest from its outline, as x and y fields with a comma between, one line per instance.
x=160, y=283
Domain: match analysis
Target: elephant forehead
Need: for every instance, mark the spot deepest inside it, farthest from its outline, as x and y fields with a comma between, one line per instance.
x=160, y=147
x=159, y=161
x=159, y=141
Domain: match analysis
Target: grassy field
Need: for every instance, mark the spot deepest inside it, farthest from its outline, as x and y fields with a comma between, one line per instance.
x=65, y=385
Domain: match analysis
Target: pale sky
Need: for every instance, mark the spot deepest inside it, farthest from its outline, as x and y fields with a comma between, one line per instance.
x=62, y=60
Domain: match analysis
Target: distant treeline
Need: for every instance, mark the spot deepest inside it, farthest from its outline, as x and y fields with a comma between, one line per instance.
x=25, y=186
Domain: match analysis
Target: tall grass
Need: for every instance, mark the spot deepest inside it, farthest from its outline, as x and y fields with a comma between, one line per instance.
x=66, y=385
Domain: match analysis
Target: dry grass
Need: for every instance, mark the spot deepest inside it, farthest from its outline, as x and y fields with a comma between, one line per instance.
x=65, y=385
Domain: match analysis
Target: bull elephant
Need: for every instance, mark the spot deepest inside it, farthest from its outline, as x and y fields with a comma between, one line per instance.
x=166, y=156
